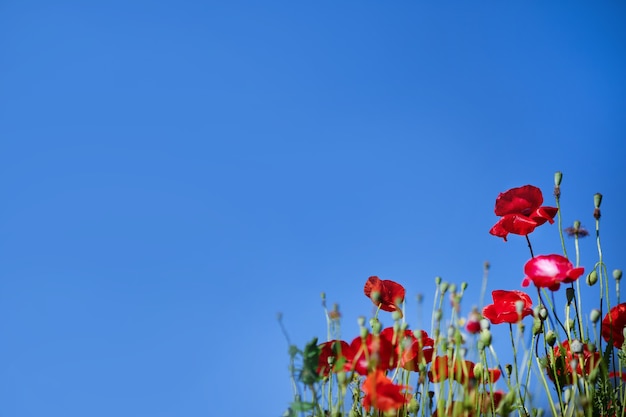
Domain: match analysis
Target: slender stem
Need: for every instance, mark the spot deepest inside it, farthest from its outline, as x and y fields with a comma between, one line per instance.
x=530, y=247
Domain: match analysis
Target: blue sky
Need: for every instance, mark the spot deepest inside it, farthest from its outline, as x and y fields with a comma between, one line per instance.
x=173, y=174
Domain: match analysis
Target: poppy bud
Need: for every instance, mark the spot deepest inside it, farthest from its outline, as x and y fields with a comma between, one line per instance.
x=509, y=369
x=443, y=287
x=576, y=225
x=364, y=332
x=594, y=316
x=569, y=293
x=551, y=338
x=558, y=176
x=569, y=324
x=463, y=286
x=437, y=315
x=592, y=278
x=478, y=370
x=437, y=280
x=376, y=326
x=537, y=327
x=413, y=406
x=361, y=321
x=576, y=346
x=396, y=315
x=617, y=274
x=485, y=337
x=540, y=313
x=484, y=324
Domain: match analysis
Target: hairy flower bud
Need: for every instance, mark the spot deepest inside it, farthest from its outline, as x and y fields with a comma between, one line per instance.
x=551, y=338
x=594, y=315
x=569, y=293
x=437, y=280
x=597, y=200
x=576, y=346
x=485, y=337
x=617, y=274
x=558, y=177
x=592, y=278
x=537, y=327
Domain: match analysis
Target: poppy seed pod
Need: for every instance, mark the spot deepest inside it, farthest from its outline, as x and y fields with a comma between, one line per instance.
x=597, y=200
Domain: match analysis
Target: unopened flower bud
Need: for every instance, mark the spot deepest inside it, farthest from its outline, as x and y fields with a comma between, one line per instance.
x=569, y=324
x=537, y=327
x=576, y=225
x=361, y=321
x=558, y=176
x=437, y=280
x=617, y=274
x=576, y=346
x=375, y=297
x=540, y=313
x=594, y=315
x=551, y=338
x=484, y=324
x=592, y=278
x=396, y=315
x=509, y=369
x=404, y=326
x=437, y=315
x=443, y=287
x=569, y=293
x=485, y=337
x=478, y=370
x=463, y=286
x=413, y=406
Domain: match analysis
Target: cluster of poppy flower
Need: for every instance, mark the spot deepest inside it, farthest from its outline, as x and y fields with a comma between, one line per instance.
x=375, y=353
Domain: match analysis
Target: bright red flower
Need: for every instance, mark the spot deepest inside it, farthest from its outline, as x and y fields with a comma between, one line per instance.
x=521, y=211
x=564, y=359
x=382, y=394
x=337, y=351
x=410, y=350
x=386, y=294
x=461, y=371
x=504, y=307
x=613, y=325
x=549, y=271
x=376, y=353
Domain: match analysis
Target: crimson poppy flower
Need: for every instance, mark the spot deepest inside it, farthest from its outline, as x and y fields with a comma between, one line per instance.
x=521, y=211
x=410, y=350
x=377, y=352
x=382, y=394
x=504, y=308
x=337, y=351
x=564, y=358
x=461, y=371
x=386, y=294
x=549, y=271
x=613, y=325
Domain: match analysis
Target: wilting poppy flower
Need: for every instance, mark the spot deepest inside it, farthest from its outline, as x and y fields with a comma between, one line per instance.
x=410, y=350
x=613, y=325
x=549, y=271
x=564, y=358
x=339, y=353
x=376, y=353
x=461, y=371
x=521, y=211
x=386, y=294
x=382, y=394
x=504, y=308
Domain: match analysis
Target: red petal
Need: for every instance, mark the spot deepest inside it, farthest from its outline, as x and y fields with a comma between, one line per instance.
x=543, y=214
x=522, y=200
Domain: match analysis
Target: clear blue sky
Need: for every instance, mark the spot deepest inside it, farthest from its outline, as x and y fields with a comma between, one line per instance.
x=173, y=174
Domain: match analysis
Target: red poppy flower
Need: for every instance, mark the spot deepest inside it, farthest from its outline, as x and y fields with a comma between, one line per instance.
x=504, y=308
x=410, y=350
x=521, y=211
x=564, y=358
x=382, y=394
x=549, y=271
x=376, y=353
x=613, y=325
x=461, y=371
x=337, y=351
x=386, y=294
